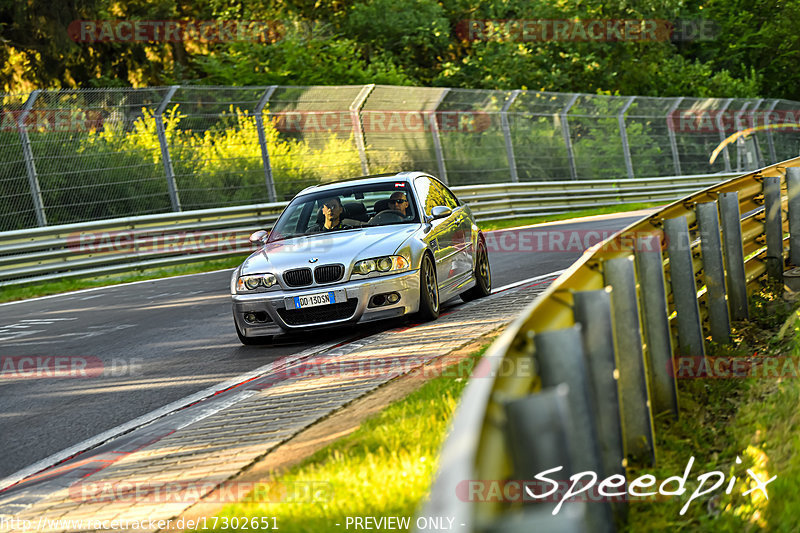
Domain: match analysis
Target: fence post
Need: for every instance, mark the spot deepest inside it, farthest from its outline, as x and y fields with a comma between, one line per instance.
x=770, y=141
x=721, y=127
x=637, y=420
x=793, y=191
x=262, y=141
x=773, y=226
x=573, y=171
x=358, y=130
x=759, y=158
x=734, y=254
x=623, y=133
x=740, y=147
x=684, y=288
x=162, y=140
x=650, y=271
x=673, y=144
x=713, y=272
x=437, y=142
x=512, y=162
x=30, y=166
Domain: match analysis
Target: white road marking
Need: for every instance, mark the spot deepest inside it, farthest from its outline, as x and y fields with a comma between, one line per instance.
x=107, y=287
x=524, y=281
x=46, y=320
x=136, y=423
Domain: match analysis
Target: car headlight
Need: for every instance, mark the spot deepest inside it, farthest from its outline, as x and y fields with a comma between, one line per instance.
x=389, y=264
x=255, y=281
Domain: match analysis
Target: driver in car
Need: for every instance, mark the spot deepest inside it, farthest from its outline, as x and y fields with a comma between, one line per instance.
x=399, y=202
x=332, y=209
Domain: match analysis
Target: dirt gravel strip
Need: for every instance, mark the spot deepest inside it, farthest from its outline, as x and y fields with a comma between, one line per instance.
x=165, y=468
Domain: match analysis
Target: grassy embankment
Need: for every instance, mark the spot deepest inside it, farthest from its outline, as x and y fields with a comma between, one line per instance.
x=386, y=467
x=752, y=416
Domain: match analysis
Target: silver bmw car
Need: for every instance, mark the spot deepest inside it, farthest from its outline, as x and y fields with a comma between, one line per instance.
x=360, y=250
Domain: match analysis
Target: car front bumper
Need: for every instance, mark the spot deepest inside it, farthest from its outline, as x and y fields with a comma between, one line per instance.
x=355, y=307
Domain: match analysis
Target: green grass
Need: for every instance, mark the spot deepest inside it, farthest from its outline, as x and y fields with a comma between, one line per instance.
x=755, y=419
x=527, y=221
x=9, y=294
x=384, y=468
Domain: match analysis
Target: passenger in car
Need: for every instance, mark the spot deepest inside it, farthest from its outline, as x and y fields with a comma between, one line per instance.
x=332, y=210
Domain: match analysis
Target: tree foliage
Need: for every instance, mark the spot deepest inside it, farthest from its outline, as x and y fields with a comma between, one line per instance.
x=410, y=42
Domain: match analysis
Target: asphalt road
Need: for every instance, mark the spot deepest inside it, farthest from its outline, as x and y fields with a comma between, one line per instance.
x=107, y=356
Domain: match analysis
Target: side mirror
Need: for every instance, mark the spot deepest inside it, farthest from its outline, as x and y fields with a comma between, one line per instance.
x=441, y=211
x=259, y=237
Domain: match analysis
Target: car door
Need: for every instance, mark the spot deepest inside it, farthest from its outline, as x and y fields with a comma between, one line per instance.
x=462, y=232
x=441, y=237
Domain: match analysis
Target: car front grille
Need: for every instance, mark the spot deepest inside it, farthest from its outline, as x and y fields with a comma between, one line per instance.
x=299, y=277
x=322, y=313
x=328, y=273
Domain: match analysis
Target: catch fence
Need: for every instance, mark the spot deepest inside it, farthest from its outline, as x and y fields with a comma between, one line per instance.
x=70, y=156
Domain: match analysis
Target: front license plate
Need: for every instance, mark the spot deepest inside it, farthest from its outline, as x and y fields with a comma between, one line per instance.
x=313, y=300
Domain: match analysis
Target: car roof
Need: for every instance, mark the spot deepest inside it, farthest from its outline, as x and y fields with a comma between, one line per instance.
x=364, y=180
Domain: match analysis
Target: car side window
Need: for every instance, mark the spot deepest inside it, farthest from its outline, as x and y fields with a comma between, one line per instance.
x=432, y=193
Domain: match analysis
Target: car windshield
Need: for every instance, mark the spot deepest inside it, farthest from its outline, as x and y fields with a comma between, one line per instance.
x=346, y=208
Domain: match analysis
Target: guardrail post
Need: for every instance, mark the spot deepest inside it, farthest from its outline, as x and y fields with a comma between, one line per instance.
x=262, y=141
x=592, y=310
x=623, y=133
x=537, y=433
x=793, y=191
x=673, y=144
x=773, y=226
x=637, y=420
x=684, y=288
x=734, y=255
x=512, y=161
x=573, y=171
x=713, y=272
x=721, y=127
x=437, y=141
x=661, y=371
x=358, y=130
x=770, y=141
x=538, y=441
x=162, y=140
x=30, y=166
x=560, y=359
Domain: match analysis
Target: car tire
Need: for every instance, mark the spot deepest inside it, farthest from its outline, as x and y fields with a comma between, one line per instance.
x=252, y=341
x=483, y=277
x=428, y=290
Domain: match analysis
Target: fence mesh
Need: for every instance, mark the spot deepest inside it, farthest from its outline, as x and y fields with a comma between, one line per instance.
x=78, y=155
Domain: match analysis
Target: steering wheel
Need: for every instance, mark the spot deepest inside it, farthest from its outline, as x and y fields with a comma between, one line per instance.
x=388, y=216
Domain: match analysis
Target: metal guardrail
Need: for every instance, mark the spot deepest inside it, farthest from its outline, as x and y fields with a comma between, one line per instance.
x=125, y=244
x=670, y=282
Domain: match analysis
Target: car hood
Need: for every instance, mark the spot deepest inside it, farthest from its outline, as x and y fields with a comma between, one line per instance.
x=340, y=247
